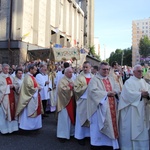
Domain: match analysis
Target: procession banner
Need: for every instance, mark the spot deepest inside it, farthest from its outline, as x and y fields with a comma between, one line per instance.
x=66, y=53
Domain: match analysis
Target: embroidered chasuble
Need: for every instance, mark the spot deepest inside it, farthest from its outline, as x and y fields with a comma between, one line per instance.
x=112, y=107
x=39, y=99
x=11, y=99
x=66, y=98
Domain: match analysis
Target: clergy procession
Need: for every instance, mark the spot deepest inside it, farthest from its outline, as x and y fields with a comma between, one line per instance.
x=107, y=104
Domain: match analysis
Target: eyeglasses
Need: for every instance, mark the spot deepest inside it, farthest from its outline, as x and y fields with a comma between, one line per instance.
x=139, y=71
x=105, y=69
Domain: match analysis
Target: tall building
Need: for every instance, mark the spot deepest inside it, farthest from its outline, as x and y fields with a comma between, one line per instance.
x=140, y=28
x=32, y=24
x=88, y=8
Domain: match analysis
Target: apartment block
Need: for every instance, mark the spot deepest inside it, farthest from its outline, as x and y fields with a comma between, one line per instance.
x=140, y=28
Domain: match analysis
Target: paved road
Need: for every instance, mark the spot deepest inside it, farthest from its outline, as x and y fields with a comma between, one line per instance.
x=43, y=139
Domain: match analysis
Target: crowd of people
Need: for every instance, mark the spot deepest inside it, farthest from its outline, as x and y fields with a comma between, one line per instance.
x=108, y=104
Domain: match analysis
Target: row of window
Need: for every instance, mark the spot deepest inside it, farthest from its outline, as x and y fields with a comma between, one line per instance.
x=143, y=31
x=143, y=23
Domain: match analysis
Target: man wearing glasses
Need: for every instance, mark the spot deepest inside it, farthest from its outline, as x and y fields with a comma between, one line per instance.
x=134, y=112
x=102, y=110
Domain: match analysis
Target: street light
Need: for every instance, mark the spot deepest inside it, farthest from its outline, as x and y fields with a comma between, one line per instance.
x=122, y=58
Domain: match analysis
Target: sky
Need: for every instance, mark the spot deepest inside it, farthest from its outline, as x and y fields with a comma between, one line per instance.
x=113, y=23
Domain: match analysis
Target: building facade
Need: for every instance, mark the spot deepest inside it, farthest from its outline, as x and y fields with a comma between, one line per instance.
x=34, y=24
x=88, y=8
x=140, y=28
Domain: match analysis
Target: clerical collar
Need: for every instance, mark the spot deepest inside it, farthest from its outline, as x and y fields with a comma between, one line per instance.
x=30, y=74
x=103, y=77
x=87, y=75
x=69, y=79
x=5, y=75
x=42, y=74
x=134, y=77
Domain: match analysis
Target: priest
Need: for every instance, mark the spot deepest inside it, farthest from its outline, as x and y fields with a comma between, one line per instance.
x=29, y=105
x=134, y=112
x=102, y=110
x=82, y=129
x=8, y=122
x=65, y=107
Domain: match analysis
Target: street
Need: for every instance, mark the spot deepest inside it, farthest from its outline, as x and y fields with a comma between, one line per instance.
x=43, y=139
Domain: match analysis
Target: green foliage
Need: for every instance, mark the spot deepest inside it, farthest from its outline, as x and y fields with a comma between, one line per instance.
x=144, y=47
x=121, y=56
x=92, y=51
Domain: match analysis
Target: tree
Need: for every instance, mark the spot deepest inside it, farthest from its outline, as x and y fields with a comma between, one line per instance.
x=121, y=55
x=144, y=47
x=92, y=51
x=115, y=56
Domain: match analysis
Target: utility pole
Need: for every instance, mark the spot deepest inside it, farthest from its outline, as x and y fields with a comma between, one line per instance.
x=122, y=58
x=104, y=52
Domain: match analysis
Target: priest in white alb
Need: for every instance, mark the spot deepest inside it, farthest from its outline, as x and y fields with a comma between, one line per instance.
x=82, y=129
x=134, y=112
x=29, y=105
x=102, y=110
x=8, y=122
x=65, y=107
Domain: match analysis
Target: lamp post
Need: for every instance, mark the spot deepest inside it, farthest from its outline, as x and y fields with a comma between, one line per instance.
x=122, y=58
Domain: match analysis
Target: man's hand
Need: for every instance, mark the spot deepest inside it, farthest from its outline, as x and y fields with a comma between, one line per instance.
x=47, y=82
x=71, y=85
x=11, y=86
x=39, y=89
x=111, y=94
x=144, y=94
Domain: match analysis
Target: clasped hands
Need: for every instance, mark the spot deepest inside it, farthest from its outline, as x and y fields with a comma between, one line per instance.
x=111, y=93
x=144, y=94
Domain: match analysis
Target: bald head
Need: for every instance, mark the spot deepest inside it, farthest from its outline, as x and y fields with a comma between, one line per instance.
x=137, y=71
x=68, y=72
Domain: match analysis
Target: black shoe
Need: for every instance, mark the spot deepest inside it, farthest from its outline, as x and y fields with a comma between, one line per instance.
x=45, y=115
x=95, y=147
x=61, y=140
x=81, y=142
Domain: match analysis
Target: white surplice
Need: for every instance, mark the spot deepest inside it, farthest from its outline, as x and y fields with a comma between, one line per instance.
x=134, y=115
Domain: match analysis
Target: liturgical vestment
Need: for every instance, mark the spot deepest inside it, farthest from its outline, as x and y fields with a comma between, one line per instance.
x=134, y=116
x=8, y=122
x=102, y=112
x=29, y=105
x=65, y=109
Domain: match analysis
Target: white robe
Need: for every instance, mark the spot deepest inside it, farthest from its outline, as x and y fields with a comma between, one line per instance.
x=134, y=115
x=29, y=123
x=41, y=79
x=6, y=126
x=99, y=115
x=64, y=127
x=81, y=132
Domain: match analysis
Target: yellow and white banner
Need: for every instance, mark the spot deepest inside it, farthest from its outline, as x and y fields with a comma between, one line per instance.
x=66, y=53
